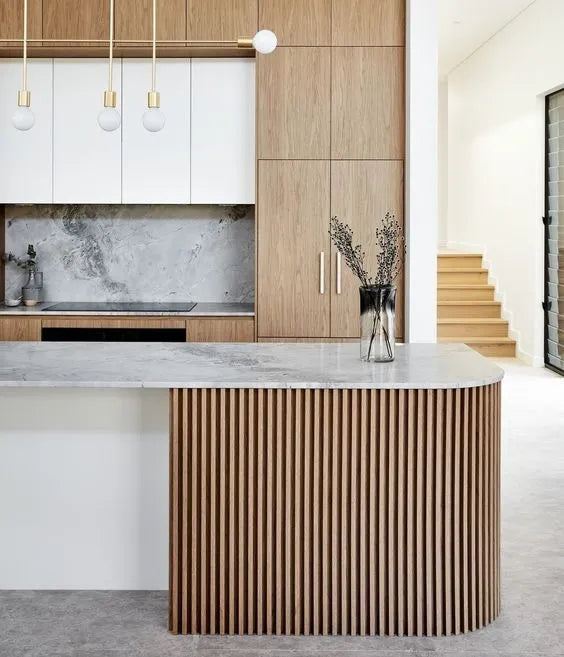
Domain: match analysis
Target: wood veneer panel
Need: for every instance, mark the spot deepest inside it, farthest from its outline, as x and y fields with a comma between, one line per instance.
x=134, y=19
x=306, y=480
x=76, y=19
x=294, y=104
x=18, y=329
x=221, y=329
x=368, y=117
x=296, y=22
x=221, y=19
x=368, y=22
x=11, y=19
x=361, y=194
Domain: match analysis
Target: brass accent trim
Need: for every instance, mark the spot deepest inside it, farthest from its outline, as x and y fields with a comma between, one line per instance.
x=153, y=99
x=110, y=99
x=244, y=42
x=24, y=98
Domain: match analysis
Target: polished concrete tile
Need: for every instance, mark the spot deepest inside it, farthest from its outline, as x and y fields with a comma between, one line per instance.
x=133, y=624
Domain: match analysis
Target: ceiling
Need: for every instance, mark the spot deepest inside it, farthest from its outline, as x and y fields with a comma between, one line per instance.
x=464, y=25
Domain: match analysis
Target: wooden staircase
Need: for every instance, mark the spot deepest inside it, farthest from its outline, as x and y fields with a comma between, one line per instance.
x=467, y=310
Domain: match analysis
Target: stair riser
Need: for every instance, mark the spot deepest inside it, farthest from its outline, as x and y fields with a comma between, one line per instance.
x=459, y=261
x=463, y=278
x=485, y=294
x=473, y=330
x=495, y=350
x=475, y=311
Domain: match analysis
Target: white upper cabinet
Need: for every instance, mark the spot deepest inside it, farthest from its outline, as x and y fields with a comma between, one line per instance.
x=26, y=163
x=86, y=159
x=223, y=131
x=156, y=165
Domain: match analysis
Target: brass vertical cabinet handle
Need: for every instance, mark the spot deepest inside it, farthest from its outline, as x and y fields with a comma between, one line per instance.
x=339, y=272
x=322, y=273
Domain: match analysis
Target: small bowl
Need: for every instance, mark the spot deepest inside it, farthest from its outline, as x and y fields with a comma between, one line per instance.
x=12, y=303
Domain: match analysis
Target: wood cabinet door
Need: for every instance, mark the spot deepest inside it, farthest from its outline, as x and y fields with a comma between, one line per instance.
x=11, y=19
x=76, y=19
x=368, y=104
x=26, y=157
x=297, y=22
x=368, y=22
x=223, y=131
x=86, y=159
x=156, y=165
x=220, y=329
x=221, y=19
x=134, y=19
x=20, y=329
x=293, y=220
x=361, y=194
x=294, y=97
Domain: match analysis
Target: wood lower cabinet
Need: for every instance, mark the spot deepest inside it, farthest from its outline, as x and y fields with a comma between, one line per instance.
x=220, y=329
x=294, y=104
x=20, y=329
x=293, y=249
x=361, y=194
x=198, y=329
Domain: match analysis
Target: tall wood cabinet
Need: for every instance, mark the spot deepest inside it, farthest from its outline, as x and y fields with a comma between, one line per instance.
x=133, y=19
x=11, y=19
x=76, y=19
x=331, y=141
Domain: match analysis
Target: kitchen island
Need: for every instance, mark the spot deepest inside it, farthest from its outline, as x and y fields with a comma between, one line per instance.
x=311, y=493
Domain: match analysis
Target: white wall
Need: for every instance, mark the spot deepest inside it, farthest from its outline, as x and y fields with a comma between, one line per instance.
x=421, y=170
x=496, y=160
x=443, y=162
x=83, y=489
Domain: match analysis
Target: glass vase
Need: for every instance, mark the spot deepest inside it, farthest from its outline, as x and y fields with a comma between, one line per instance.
x=31, y=291
x=377, y=323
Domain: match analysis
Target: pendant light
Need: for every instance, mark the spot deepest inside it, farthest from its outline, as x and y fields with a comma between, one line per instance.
x=265, y=42
x=23, y=118
x=109, y=118
x=153, y=119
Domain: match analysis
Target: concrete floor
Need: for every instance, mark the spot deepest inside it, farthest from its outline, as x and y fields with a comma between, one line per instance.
x=119, y=624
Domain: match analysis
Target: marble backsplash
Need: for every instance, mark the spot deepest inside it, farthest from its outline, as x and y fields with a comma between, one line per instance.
x=135, y=253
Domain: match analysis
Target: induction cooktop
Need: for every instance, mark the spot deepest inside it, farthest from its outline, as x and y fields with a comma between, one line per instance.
x=129, y=307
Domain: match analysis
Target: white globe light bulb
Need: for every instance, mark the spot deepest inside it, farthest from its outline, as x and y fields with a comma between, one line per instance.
x=265, y=42
x=109, y=119
x=154, y=120
x=23, y=118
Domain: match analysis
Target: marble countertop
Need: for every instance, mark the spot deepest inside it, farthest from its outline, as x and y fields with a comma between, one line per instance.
x=181, y=365
x=200, y=310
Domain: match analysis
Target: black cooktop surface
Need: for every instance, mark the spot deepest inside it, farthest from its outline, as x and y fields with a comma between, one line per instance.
x=129, y=307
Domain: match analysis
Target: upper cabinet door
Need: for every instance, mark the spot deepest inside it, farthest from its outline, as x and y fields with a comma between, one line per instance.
x=221, y=19
x=368, y=104
x=87, y=160
x=294, y=104
x=11, y=19
x=223, y=131
x=361, y=194
x=76, y=19
x=368, y=22
x=134, y=19
x=156, y=165
x=26, y=165
x=297, y=22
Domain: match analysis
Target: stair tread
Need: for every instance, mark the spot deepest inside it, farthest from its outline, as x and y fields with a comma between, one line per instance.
x=467, y=340
x=462, y=270
x=477, y=302
x=464, y=286
x=462, y=254
x=473, y=320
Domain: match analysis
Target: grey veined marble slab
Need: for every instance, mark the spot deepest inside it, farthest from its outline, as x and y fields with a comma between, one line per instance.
x=161, y=365
x=199, y=310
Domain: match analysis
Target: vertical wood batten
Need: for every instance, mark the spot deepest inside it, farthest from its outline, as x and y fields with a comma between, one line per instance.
x=334, y=511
